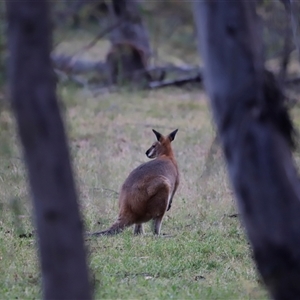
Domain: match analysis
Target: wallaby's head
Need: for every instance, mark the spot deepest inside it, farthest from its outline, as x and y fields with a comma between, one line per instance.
x=162, y=146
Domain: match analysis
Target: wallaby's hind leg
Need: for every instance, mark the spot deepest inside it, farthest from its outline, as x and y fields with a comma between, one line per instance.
x=157, y=225
x=138, y=229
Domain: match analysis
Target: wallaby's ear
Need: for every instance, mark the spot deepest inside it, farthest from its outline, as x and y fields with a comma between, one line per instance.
x=157, y=134
x=172, y=135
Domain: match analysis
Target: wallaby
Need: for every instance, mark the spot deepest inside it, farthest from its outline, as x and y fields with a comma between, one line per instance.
x=148, y=191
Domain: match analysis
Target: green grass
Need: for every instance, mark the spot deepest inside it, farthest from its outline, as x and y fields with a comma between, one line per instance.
x=202, y=253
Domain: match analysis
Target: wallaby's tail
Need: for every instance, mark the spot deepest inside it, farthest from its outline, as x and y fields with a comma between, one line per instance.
x=116, y=228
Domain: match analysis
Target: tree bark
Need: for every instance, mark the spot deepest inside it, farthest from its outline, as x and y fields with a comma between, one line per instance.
x=41, y=130
x=293, y=9
x=256, y=135
x=130, y=48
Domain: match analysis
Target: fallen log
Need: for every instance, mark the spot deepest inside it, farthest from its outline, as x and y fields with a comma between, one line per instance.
x=175, y=82
x=70, y=66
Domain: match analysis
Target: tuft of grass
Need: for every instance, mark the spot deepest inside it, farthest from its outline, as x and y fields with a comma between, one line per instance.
x=202, y=253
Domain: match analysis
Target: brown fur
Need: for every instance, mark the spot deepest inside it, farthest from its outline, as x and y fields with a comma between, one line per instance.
x=148, y=191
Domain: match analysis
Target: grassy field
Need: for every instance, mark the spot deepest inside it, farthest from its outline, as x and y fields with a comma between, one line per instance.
x=202, y=253
x=205, y=255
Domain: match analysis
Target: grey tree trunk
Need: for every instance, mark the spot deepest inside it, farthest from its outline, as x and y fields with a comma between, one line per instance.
x=32, y=88
x=293, y=9
x=256, y=135
x=130, y=48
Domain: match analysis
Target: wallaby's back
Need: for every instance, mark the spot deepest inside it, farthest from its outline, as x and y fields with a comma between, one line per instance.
x=148, y=191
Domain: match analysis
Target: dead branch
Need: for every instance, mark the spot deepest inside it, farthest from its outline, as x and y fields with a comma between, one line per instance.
x=293, y=80
x=175, y=82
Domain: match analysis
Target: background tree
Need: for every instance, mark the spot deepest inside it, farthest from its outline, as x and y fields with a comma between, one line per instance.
x=41, y=130
x=130, y=48
x=128, y=57
x=256, y=136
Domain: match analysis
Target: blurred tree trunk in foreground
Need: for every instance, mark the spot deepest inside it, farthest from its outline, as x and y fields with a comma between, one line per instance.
x=256, y=134
x=32, y=88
